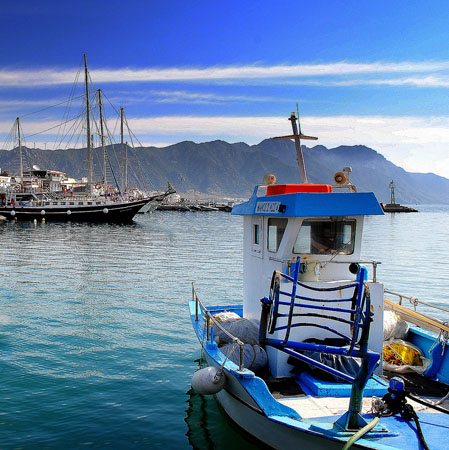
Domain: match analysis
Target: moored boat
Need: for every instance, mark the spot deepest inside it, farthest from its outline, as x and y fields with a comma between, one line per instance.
x=302, y=362
x=36, y=194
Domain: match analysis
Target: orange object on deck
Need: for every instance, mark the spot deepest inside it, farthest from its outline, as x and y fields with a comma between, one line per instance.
x=278, y=189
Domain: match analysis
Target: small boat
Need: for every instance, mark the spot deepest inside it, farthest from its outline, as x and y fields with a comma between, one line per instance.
x=304, y=361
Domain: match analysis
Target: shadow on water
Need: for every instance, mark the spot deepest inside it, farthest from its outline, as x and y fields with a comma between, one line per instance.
x=209, y=427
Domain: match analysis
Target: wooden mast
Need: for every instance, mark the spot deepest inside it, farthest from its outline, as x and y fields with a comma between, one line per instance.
x=122, y=153
x=105, y=159
x=297, y=136
x=20, y=149
x=90, y=159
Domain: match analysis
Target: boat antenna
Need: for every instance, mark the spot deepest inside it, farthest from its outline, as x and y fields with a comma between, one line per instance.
x=297, y=136
x=90, y=159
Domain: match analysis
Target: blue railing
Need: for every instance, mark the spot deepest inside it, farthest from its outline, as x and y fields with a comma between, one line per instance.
x=356, y=316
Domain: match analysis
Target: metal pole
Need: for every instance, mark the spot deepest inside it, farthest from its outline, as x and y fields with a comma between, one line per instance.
x=299, y=152
x=20, y=149
x=90, y=159
x=122, y=152
x=100, y=106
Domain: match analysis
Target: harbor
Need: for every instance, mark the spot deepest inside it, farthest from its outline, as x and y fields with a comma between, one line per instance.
x=96, y=348
x=224, y=225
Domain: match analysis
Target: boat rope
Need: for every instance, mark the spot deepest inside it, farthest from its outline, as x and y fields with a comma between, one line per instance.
x=442, y=338
x=360, y=433
x=441, y=400
x=408, y=413
x=429, y=404
x=395, y=402
x=51, y=128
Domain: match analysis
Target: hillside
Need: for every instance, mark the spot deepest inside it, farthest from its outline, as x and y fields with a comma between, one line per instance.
x=225, y=169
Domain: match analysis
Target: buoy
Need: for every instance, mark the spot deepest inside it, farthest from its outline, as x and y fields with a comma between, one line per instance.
x=208, y=381
x=13, y=213
x=69, y=212
x=43, y=212
x=35, y=221
x=43, y=219
x=106, y=210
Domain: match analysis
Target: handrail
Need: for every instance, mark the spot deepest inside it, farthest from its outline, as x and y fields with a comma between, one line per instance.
x=209, y=317
x=371, y=262
x=414, y=301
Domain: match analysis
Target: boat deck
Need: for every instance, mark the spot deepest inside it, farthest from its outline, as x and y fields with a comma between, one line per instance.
x=310, y=407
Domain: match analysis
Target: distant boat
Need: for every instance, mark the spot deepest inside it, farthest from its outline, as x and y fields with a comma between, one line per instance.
x=394, y=207
x=44, y=195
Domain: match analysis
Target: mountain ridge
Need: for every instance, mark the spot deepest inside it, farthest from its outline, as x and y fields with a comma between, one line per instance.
x=224, y=169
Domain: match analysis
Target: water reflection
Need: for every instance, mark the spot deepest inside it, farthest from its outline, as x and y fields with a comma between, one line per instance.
x=208, y=426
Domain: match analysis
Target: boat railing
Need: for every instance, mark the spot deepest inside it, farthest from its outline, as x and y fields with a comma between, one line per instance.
x=208, y=318
x=289, y=263
x=414, y=301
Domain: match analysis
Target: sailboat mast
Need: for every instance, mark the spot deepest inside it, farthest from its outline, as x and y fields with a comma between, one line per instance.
x=122, y=152
x=20, y=149
x=90, y=158
x=105, y=159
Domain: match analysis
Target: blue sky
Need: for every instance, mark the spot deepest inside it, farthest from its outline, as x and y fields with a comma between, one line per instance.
x=363, y=72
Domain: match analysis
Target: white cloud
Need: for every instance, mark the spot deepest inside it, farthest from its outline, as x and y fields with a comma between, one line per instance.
x=414, y=143
x=55, y=76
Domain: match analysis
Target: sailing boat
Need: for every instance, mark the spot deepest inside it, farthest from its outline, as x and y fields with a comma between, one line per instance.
x=43, y=195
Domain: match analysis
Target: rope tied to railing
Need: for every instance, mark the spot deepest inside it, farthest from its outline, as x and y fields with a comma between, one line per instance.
x=414, y=301
x=208, y=317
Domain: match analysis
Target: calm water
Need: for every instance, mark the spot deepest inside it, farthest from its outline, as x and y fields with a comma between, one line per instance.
x=96, y=348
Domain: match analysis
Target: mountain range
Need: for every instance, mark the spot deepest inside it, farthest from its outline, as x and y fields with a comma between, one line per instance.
x=231, y=170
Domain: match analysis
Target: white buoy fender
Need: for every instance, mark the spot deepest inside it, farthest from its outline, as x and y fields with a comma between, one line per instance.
x=105, y=210
x=208, y=381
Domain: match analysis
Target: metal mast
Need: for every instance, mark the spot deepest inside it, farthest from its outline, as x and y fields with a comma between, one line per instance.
x=105, y=156
x=90, y=157
x=20, y=149
x=122, y=153
x=297, y=136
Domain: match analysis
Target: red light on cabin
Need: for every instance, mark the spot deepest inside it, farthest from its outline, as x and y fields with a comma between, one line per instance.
x=278, y=189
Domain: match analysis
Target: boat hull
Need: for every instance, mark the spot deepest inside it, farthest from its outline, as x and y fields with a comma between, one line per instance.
x=247, y=401
x=119, y=212
x=242, y=410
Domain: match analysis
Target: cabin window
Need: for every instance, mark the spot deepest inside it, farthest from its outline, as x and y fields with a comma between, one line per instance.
x=318, y=237
x=80, y=203
x=276, y=229
x=62, y=203
x=55, y=203
x=89, y=203
x=256, y=234
x=71, y=203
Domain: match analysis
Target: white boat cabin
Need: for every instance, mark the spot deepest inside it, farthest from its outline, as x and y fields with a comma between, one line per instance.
x=323, y=230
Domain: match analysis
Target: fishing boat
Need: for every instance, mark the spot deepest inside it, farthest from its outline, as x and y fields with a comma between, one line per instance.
x=36, y=194
x=304, y=360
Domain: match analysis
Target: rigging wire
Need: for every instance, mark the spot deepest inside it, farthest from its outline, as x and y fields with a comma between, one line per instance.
x=49, y=107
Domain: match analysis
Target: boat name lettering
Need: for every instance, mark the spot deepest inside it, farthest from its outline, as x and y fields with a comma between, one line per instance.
x=268, y=207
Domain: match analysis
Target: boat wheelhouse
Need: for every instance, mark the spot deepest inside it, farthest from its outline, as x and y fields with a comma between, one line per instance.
x=306, y=367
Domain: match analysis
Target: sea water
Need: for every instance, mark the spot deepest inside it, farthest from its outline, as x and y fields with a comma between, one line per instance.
x=96, y=345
